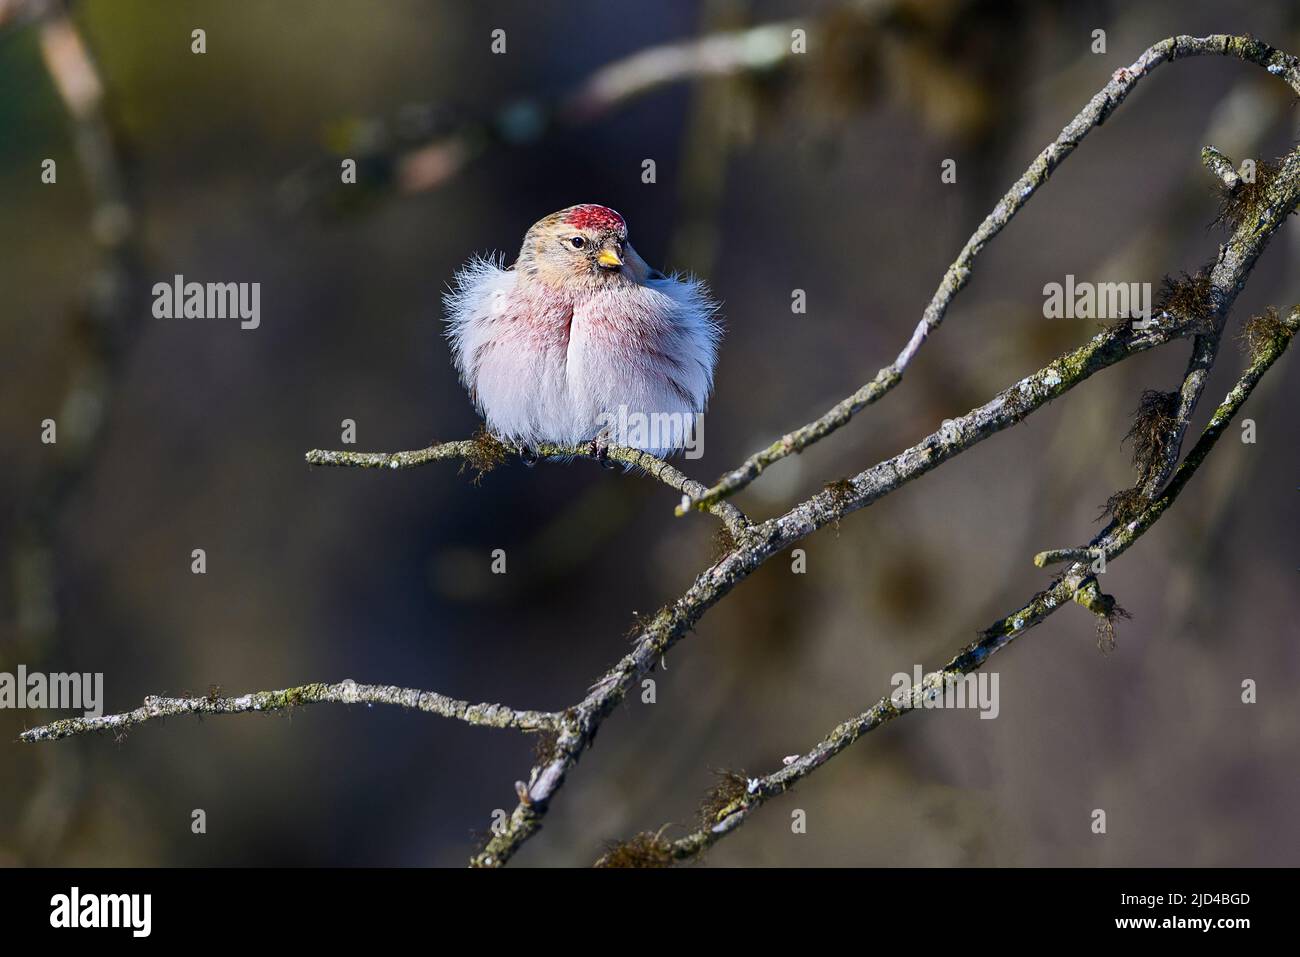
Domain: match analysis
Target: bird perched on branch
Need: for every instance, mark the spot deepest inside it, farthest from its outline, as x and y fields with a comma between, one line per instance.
x=580, y=338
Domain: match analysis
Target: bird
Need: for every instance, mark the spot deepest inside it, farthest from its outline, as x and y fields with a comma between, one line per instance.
x=581, y=343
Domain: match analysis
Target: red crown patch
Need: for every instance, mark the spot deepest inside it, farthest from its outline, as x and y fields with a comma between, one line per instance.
x=591, y=216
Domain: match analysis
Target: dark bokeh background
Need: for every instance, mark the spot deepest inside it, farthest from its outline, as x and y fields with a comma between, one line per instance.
x=822, y=175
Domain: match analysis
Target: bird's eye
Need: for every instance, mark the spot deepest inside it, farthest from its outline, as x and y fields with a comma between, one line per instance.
x=577, y=242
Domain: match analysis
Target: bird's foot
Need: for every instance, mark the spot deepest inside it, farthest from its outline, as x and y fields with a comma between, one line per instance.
x=600, y=450
x=526, y=455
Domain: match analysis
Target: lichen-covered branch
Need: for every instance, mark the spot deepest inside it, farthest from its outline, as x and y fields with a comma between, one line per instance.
x=1205, y=349
x=1054, y=556
x=1220, y=166
x=769, y=538
x=344, y=692
x=1197, y=311
x=484, y=453
x=954, y=280
x=1078, y=584
x=1213, y=298
x=1262, y=204
x=468, y=450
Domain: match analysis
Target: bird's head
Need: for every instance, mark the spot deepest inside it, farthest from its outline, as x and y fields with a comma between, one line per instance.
x=581, y=248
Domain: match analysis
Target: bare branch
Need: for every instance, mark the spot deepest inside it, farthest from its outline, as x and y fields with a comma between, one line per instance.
x=77, y=78
x=1054, y=556
x=754, y=49
x=1093, y=115
x=748, y=50
x=345, y=692
x=673, y=622
x=1077, y=585
x=1205, y=349
x=1220, y=166
x=438, y=159
x=575, y=728
x=484, y=452
x=438, y=452
x=1235, y=261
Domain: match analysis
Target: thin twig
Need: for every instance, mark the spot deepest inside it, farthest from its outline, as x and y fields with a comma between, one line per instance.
x=438, y=452
x=1093, y=115
x=471, y=450
x=1235, y=261
x=1222, y=167
x=1077, y=584
x=752, y=50
x=576, y=727
x=99, y=345
x=769, y=538
x=1205, y=349
x=438, y=159
x=1054, y=556
x=344, y=692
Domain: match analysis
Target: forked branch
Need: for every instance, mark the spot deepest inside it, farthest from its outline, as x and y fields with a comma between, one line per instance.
x=954, y=280
x=1199, y=316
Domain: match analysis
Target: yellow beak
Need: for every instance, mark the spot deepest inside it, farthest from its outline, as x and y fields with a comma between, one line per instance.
x=608, y=259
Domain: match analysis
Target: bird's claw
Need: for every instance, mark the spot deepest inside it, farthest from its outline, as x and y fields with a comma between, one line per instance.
x=600, y=451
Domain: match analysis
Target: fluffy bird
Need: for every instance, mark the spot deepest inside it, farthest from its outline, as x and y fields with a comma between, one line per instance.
x=579, y=336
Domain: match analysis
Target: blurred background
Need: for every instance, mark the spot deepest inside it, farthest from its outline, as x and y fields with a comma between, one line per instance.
x=818, y=172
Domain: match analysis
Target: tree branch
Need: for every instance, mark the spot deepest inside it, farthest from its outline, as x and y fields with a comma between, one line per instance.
x=345, y=692
x=769, y=538
x=484, y=452
x=751, y=50
x=438, y=159
x=575, y=728
x=1235, y=261
x=1077, y=584
x=1222, y=167
x=1093, y=115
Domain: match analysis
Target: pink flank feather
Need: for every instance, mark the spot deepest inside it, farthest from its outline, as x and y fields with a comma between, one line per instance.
x=564, y=342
